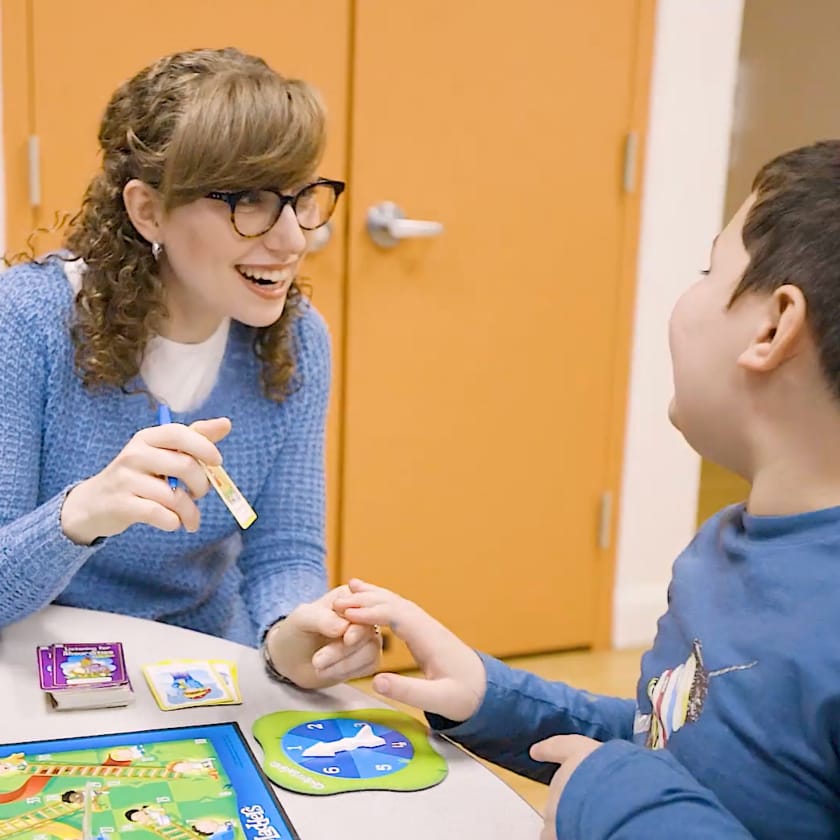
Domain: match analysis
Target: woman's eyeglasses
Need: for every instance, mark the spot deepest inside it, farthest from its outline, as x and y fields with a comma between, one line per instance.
x=255, y=212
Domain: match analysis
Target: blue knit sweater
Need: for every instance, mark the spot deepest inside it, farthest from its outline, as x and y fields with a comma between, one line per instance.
x=55, y=433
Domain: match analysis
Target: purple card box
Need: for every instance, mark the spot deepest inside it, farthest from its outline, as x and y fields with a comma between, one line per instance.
x=83, y=665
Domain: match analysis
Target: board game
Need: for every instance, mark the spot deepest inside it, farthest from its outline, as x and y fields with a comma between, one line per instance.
x=184, y=783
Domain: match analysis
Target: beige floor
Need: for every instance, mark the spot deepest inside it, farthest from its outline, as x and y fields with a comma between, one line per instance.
x=607, y=672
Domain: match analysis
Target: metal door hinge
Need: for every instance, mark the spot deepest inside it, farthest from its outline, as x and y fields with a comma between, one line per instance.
x=34, y=149
x=605, y=520
x=631, y=149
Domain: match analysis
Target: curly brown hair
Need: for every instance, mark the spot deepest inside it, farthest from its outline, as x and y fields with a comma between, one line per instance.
x=189, y=123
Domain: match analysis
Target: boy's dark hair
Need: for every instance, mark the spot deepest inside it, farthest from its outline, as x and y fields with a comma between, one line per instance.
x=792, y=234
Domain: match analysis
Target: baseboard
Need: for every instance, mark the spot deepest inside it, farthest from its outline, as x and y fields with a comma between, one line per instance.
x=636, y=611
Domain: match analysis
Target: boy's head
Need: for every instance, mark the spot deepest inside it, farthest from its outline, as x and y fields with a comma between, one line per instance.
x=756, y=343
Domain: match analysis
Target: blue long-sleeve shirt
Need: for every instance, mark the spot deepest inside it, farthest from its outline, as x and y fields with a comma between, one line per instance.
x=55, y=433
x=736, y=722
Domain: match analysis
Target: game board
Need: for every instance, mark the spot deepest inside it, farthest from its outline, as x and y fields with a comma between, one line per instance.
x=363, y=749
x=184, y=783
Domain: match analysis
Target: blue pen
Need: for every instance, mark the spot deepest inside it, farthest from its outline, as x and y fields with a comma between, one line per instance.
x=165, y=417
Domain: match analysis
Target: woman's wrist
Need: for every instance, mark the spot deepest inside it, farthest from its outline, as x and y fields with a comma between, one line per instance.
x=271, y=669
x=74, y=517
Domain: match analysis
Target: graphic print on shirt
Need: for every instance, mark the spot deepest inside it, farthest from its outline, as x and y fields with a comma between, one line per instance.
x=677, y=697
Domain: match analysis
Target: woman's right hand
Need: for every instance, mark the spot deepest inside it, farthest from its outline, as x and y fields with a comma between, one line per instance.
x=454, y=677
x=133, y=488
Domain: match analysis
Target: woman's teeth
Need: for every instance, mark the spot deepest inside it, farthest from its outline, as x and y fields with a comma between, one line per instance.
x=263, y=278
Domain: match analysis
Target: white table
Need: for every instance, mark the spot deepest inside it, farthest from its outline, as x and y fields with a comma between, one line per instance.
x=470, y=803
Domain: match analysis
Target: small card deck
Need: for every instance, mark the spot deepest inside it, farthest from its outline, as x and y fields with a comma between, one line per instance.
x=78, y=675
x=183, y=683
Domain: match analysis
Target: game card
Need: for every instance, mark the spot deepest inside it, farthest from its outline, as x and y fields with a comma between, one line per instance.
x=180, y=684
x=75, y=665
x=230, y=494
x=227, y=671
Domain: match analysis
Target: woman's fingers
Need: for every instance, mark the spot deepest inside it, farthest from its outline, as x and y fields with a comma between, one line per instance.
x=336, y=662
x=180, y=438
x=182, y=466
x=147, y=512
x=216, y=429
x=158, y=491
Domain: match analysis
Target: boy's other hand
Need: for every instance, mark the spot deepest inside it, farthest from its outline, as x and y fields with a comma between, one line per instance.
x=454, y=679
x=568, y=751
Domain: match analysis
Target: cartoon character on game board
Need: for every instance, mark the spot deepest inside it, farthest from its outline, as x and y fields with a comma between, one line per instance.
x=194, y=767
x=211, y=827
x=189, y=686
x=12, y=764
x=152, y=815
x=124, y=755
x=98, y=798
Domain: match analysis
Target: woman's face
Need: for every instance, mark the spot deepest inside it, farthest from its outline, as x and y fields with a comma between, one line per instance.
x=211, y=272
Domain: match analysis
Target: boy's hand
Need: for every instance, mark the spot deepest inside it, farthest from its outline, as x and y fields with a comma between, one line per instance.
x=568, y=751
x=455, y=680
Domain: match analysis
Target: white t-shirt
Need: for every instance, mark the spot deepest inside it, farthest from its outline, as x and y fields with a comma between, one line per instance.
x=180, y=375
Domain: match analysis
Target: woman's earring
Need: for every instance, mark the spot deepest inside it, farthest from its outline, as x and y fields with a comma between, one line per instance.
x=156, y=250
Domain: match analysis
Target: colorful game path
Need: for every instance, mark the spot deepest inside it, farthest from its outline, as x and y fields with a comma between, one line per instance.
x=189, y=783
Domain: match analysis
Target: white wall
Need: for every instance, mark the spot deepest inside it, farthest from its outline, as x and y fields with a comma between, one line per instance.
x=692, y=96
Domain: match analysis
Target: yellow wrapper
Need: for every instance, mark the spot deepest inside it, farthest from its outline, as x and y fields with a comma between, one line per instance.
x=235, y=502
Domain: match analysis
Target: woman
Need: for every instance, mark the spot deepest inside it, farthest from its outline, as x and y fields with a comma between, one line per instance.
x=179, y=289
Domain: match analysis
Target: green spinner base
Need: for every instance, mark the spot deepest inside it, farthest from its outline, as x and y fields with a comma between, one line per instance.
x=363, y=749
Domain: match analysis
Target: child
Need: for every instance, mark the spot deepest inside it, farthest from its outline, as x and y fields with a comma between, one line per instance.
x=740, y=694
x=179, y=288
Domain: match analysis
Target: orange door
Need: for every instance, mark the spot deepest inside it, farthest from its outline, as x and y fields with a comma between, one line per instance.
x=63, y=60
x=486, y=366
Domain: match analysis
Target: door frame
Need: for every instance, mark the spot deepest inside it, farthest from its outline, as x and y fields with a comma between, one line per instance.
x=605, y=573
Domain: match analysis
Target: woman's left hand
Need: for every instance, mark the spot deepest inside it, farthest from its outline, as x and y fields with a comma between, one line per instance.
x=314, y=647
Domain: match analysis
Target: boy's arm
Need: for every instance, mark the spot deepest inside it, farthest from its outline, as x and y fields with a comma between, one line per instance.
x=622, y=791
x=504, y=711
x=519, y=709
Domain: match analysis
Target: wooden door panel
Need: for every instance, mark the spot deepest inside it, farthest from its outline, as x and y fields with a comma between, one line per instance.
x=481, y=364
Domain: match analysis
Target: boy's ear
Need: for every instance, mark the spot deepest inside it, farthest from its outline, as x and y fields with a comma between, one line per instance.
x=143, y=205
x=778, y=337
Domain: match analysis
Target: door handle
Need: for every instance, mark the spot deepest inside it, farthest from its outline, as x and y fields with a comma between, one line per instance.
x=387, y=225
